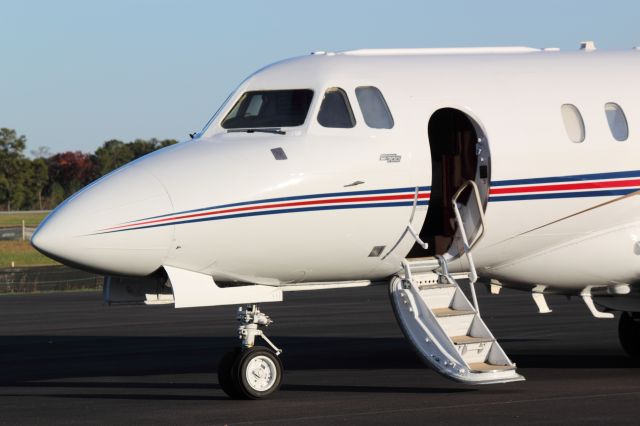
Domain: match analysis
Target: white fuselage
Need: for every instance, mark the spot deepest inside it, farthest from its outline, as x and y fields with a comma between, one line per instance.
x=222, y=204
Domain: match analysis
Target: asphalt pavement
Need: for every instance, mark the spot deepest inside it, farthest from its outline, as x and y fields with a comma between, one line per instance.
x=65, y=358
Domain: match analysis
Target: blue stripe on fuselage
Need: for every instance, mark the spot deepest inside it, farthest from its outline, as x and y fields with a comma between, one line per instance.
x=280, y=211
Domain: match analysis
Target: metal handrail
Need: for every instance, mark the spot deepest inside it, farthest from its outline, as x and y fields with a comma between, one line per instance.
x=454, y=200
x=473, y=275
x=416, y=237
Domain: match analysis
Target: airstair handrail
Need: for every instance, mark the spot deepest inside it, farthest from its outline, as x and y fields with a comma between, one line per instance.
x=416, y=237
x=454, y=201
x=473, y=275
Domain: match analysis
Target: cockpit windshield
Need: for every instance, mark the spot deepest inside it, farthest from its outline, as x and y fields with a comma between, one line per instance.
x=269, y=108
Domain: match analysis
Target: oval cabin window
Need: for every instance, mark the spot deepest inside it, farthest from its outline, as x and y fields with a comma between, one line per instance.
x=617, y=121
x=573, y=123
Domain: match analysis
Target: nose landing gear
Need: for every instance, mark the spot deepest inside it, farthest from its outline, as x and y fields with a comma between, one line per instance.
x=251, y=372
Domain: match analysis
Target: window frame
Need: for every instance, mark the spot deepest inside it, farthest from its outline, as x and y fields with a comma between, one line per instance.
x=243, y=91
x=577, y=114
x=622, y=115
x=348, y=104
x=385, y=104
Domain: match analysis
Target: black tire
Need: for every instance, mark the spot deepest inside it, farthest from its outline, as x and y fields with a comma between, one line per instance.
x=267, y=363
x=226, y=373
x=629, y=333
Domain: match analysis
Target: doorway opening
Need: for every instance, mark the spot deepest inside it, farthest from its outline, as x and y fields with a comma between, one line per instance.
x=459, y=153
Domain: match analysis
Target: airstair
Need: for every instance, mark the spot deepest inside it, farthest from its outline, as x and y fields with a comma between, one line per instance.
x=444, y=327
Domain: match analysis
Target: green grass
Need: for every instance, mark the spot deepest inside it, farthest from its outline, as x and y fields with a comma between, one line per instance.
x=22, y=254
x=16, y=218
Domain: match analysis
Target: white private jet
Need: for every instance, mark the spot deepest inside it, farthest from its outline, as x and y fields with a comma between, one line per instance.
x=510, y=166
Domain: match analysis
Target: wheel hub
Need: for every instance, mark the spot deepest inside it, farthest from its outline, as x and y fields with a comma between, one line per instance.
x=261, y=373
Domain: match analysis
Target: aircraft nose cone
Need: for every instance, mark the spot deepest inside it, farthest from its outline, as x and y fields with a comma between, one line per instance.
x=86, y=231
x=45, y=240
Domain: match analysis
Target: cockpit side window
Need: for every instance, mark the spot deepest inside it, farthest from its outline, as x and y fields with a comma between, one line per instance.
x=374, y=108
x=269, y=108
x=335, y=110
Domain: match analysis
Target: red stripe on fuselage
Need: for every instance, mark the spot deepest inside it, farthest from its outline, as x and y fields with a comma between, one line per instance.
x=421, y=196
x=566, y=187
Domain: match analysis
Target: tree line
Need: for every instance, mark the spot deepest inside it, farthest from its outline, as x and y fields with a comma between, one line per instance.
x=43, y=180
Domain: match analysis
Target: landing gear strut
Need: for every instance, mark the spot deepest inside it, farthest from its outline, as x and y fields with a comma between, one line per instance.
x=629, y=333
x=251, y=372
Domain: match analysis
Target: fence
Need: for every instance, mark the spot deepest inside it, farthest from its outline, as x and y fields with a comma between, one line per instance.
x=18, y=232
x=23, y=232
x=47, y=278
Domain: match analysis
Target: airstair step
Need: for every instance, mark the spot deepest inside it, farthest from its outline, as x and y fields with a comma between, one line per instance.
x=413, y=260
x=484, y=367
x=448, y=312
x=466, y=340
x=423, y=264
x=438, y=295
x=436, y=286
x=428, y=280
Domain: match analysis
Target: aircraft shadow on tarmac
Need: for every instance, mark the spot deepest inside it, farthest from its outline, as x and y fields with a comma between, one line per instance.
x=87, y=390
x=27, y=358
x=33, y=358
x=48, y=362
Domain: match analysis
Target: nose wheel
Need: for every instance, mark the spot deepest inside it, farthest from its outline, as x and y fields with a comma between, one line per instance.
x=251, y=372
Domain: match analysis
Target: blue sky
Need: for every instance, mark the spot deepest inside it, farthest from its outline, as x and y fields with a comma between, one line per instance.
x=76, y=73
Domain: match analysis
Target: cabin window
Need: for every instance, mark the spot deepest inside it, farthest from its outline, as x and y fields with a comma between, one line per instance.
x=374, y=108
x=573, y=123
x=617, y=121
x=335, y=110
x=269, y=108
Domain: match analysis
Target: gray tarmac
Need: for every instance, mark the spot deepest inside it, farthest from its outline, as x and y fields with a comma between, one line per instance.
x=65, y=358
